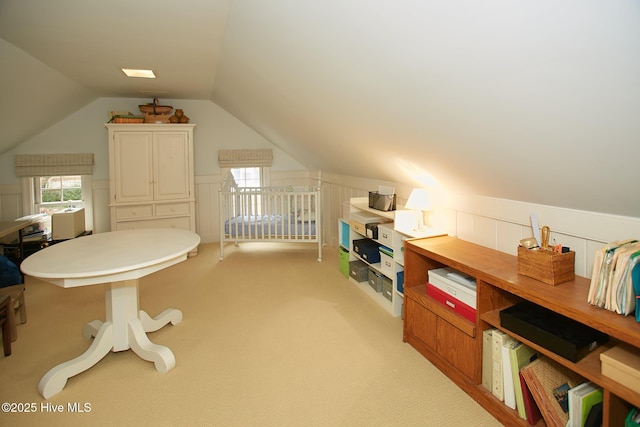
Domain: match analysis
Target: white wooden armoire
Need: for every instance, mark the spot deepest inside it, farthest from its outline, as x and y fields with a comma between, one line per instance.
x=151, y=176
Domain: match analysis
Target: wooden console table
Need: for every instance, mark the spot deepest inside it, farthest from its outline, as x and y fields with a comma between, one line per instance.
x=454, y=344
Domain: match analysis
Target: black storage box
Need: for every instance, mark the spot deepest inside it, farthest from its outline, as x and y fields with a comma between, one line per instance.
x=367, y=249
x=555, y=332
x=372, y=230
x=382, y=202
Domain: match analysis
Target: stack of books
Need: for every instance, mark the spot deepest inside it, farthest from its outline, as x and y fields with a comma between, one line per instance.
x=536, y=386
x=38, y=230
x=32, y=234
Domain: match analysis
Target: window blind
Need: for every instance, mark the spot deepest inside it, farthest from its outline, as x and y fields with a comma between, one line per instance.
x=28, y=165
x=245, y=158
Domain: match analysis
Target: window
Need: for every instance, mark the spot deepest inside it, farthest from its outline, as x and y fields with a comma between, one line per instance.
x=49, y=194
x=51, y=182
x=250, y=169
x=247, y=177
x=251, y=177
x=55, y=193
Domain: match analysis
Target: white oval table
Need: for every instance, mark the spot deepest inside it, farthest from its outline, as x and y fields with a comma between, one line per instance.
x=118, y=258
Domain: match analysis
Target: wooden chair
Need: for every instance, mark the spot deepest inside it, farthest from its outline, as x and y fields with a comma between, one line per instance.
x=5, y=314
x=17, y=307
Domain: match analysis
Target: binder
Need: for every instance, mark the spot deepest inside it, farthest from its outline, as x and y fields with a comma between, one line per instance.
x=507, y=372
x=487, y=359
x=581, y=399
x=594, y=419
x=530, y=406
x=520, y=356
x=498, y=341
x=635, y=277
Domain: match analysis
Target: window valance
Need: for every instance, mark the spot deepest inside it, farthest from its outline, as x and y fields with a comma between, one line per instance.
x=53, y=164
x=245, y=158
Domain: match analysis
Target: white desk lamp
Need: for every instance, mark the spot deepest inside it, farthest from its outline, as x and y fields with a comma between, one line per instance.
x=419, y=200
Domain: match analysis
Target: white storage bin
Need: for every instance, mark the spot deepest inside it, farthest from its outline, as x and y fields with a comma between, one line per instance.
x=398, y=247
x=385, y=234
x=386, y=264
x=365, y=217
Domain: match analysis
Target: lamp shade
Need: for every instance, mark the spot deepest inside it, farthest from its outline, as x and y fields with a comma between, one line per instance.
x=419, y=200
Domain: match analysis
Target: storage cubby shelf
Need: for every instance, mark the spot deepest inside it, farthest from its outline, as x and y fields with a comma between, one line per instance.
x=393, y=240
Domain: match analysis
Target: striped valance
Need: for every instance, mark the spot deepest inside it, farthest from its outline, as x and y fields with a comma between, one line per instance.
x=245, y=158
x=53, y=164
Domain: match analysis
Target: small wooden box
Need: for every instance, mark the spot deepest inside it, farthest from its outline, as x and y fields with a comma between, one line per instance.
x=550, y=267
x=359, y=227
x=622, y=364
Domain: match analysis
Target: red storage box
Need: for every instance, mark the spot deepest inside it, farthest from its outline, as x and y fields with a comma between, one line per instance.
x=454, y=304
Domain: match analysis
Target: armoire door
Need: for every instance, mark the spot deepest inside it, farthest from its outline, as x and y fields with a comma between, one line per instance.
x=132, y=170
x=171, y=166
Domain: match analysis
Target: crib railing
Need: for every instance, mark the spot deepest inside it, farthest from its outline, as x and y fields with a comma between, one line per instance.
x=270, y=213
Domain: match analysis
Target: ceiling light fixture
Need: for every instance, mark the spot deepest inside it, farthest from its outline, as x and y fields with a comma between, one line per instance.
x=145, y=74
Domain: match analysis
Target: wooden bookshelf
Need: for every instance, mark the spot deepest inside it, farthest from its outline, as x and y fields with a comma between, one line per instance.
x=454, y=344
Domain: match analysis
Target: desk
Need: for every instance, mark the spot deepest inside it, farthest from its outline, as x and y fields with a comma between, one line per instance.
x=7, y=228
x=120, y=259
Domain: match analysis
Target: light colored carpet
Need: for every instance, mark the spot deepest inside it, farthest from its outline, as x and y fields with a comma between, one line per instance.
x=269, y=337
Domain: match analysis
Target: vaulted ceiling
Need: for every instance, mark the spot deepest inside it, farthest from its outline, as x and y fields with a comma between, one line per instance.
x=533, y=101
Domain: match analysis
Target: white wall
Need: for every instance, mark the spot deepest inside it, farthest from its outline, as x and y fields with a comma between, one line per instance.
x=490, y=222
x=84, y=131
x=496, y=223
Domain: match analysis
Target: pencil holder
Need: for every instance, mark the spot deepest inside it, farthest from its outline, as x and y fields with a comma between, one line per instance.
x=547, y=266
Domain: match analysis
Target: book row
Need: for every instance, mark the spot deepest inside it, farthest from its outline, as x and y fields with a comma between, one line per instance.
x=536, y=386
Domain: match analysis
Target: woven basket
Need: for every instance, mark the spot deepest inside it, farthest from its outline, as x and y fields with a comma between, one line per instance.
x=547, y=266
x=156, y=118
x=128, y=119
x=155, y=109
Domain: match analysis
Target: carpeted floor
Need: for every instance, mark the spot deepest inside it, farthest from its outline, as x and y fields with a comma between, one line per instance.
x=270, y=337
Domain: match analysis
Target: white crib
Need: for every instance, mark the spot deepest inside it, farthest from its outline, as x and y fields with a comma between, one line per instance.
x=276, y=214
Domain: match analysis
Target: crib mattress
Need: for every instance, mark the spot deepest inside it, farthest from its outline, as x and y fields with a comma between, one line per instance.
x=266, y=226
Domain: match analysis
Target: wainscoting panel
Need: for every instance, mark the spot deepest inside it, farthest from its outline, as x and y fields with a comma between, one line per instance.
x=10, y=202
x=494, y=223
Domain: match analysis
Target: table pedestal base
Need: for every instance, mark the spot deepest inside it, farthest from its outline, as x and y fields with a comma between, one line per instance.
x=125, y=328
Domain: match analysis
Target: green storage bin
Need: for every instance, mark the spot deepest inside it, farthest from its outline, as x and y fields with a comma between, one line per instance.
x=343, y=256
x=632, y=418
